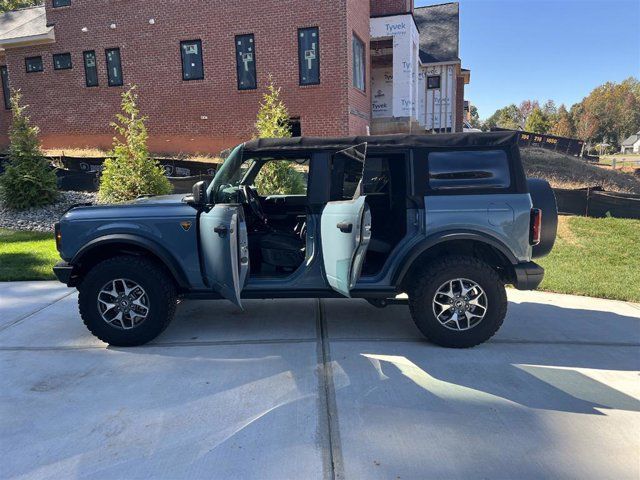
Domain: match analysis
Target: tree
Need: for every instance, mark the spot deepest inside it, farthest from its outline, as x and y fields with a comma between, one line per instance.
x=276, y=177
x=563, y=126
x=28, y=180
x=9, y=5
x=507, y=117
x=129, y=171
x=525, y=109
x=611, y=112
x=537, y=122
x=474, y=117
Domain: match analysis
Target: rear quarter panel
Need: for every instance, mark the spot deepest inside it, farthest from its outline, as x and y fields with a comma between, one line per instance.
x=504, y=217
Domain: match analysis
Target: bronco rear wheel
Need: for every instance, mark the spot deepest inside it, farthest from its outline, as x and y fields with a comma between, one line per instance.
x=127, y=300
x=460, y=302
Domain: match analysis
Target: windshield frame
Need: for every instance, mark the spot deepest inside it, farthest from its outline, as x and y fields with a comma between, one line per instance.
x=226, y=172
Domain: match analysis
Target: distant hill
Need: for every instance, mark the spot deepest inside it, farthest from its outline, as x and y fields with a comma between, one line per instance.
x=563, y=171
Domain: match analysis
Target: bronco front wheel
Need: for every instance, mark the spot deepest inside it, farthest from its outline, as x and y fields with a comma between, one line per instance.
x=127, y=301
x=460, y=302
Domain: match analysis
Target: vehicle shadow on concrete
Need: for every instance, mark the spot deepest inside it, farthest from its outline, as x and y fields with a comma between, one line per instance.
x=536, y=360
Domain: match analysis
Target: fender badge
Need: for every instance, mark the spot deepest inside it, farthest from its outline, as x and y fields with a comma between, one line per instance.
x=185, y=225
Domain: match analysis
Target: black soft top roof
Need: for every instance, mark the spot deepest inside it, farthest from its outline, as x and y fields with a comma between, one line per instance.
x=471, y=139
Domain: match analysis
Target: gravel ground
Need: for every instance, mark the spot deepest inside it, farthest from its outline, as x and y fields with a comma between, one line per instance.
x=42, y=219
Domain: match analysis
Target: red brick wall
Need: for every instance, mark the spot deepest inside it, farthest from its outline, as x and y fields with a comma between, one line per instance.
x=358, y=23
x=390, y=7
x=70, y=114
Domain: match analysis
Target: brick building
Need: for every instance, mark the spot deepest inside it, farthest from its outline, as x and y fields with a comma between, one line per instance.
x=201, y=66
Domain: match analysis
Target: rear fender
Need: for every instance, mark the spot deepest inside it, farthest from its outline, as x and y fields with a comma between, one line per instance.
x=441, y=239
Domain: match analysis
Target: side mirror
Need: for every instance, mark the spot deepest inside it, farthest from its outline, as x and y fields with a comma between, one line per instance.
x=199, y=194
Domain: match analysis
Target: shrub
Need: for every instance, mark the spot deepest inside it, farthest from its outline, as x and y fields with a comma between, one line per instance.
x=28, y=180
x=279, y=177
x=276, y=177
x=129, y=171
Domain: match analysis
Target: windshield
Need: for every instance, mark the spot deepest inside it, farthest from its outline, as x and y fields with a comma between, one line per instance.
x=229, y=174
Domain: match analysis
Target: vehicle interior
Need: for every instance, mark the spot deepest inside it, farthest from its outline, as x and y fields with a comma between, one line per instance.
x=274, y=196
x=273, y=192
x=386, y=192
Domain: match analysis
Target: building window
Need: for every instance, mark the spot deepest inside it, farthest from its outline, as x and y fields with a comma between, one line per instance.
x=4, y=76
x=61, y=3
x=358, y=64
x=192, y=67
x=246, y=62
x=114, y=67
x=62, y=61
x=309, y=55
x=34, y=64
x=433, y=82
x=90, y=68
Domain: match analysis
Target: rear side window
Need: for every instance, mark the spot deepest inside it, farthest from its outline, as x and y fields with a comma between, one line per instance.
x=468, y=169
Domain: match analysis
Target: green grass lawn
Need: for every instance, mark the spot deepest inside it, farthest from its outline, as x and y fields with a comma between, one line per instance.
x=27, y=255
x=598, y=257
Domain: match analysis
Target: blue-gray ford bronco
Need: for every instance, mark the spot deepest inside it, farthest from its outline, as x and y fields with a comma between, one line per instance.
x=441, y=222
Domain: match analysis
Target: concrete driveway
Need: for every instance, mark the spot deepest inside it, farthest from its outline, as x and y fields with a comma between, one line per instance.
x=307, y=389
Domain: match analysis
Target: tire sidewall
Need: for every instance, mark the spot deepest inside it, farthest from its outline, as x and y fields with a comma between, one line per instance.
x=150, y=280
x=422, y=306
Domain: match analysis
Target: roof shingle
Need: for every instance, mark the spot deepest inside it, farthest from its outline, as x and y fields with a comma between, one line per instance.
x=439, y=32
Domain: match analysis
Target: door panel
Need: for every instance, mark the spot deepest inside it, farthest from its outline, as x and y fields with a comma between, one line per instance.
x=345, y=229
x=223, y=236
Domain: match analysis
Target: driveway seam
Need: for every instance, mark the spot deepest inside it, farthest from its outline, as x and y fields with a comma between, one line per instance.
x=219, y=343
x=328, y=412
x=27, y=315
x=493, y=341
x=321, y=357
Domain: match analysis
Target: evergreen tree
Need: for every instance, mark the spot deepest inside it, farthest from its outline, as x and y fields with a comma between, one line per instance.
x=129, y=171
x=276, y=177
x=537, y=122
x=28, y=180
x=563, y=126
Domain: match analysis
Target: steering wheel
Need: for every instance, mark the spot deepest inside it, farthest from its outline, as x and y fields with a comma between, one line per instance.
x=253, y=200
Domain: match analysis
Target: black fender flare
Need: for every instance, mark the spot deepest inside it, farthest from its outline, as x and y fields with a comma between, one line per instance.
x=448, y=236
x=156, y=249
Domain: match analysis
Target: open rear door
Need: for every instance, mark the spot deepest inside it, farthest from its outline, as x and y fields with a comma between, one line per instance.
x=345, y=229
x=225, y=250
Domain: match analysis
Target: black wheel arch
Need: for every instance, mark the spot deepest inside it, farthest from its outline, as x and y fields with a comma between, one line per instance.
x=107, y=246
x=470, y=243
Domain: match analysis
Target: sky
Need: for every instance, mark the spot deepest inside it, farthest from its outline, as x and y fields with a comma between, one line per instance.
x=542, y=49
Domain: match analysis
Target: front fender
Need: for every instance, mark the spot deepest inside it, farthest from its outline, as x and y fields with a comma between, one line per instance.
x=169, y=260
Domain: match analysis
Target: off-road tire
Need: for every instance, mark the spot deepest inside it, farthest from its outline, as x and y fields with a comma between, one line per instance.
x=436, y=274
x=156, y=282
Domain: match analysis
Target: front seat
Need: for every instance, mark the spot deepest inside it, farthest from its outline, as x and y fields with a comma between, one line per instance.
x=281, y=249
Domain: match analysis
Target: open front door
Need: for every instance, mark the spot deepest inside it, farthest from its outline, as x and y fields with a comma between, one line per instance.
x=225, y=250
x=345, y=228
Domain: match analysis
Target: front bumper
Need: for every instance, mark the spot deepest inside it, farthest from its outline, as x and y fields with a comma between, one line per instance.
x=528, y=276
x=65, y=273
